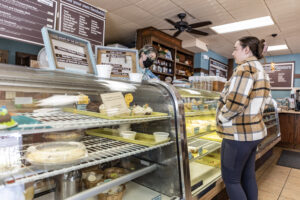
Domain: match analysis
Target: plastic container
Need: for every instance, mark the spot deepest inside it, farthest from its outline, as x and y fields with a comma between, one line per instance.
x=136, y=77
x=104, y=71
x=128, y=134
x=160, y=136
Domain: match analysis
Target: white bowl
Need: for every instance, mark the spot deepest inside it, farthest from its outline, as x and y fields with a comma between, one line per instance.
x=128, y=134
x=160, y=136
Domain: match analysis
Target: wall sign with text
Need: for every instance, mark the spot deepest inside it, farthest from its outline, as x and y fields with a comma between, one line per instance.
x=216, y=68
x=83, y=20
x=281, y=75
x=23, y=20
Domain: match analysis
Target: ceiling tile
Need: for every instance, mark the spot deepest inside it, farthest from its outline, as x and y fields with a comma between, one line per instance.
x=109, y=5
x=134, y=14
x=159, y=8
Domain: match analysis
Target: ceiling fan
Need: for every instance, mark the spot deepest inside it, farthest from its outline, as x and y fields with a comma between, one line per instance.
x=181, y=26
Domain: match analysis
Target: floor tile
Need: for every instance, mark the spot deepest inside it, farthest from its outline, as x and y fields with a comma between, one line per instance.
x=262, y=195
x=289, y=194
x=295, y=173
x=269, y=186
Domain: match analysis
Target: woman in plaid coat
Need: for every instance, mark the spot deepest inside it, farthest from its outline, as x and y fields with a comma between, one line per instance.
x=239, y=119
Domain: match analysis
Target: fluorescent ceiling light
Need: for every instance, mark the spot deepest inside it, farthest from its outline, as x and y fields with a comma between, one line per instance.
x=242, y=25
x=277, y=47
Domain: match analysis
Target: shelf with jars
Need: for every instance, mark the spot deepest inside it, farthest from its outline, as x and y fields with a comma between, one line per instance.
x=179, y=60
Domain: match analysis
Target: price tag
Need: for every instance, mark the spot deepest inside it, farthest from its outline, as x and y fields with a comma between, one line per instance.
x=114, y=103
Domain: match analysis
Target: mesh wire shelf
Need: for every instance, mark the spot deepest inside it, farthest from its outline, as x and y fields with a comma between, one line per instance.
x=63, y=121
x=100, y=150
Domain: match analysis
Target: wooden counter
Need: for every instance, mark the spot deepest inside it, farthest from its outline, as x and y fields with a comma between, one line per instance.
x=290, y=129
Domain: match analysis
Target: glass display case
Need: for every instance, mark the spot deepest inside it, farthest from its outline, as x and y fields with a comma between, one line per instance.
x=59, y=140
x=202, y=144
x=271, y=120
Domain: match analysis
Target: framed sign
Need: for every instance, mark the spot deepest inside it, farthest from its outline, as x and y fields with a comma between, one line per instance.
x=124, y=61
x=68, y=53
x=217, y=68
x=281, y=75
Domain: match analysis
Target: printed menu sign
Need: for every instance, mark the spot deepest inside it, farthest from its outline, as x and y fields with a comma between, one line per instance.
x=114, y=103
x=217, y=68
x=82, y=20
x=70, y=55
x=281, y=75
x=23, y=19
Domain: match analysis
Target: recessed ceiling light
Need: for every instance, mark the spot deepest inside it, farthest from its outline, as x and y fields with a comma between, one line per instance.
x=277, y=47
x=243, y=25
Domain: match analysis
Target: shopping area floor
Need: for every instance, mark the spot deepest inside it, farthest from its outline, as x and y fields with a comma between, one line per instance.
x=277, y=182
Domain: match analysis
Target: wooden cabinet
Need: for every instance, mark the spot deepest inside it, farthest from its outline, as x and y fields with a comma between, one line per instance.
x=287, y=129
x=173, y=60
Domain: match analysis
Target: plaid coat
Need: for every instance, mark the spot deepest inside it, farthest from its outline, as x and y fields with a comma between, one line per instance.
x=242, y=102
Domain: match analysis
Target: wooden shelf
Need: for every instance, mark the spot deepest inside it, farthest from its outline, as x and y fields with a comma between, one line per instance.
x=182, y=75
x=166, y=59
x=165, y=74
x=180, y=63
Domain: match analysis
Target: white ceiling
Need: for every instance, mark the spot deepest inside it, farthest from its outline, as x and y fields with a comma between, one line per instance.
x=125, y=16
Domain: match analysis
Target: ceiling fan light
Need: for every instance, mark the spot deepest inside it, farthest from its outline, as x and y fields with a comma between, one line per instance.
x=277, y=47
x=243, y=25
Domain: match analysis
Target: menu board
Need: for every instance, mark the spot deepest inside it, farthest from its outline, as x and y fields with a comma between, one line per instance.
x=23, y=19
x=217, y=68
x=281, y=75
x=82, y=20
x=124, y=61
x=70, y=54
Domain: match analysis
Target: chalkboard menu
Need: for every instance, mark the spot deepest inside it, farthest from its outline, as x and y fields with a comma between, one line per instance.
x=281, y=75
x=82, y=20
x=217, y=68
x=23, y=19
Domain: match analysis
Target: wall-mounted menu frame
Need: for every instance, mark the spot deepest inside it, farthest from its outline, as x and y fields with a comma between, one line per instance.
x=281, y=76
x=22, y=20
x=217, y=68
x=68, y=53
x=124, y=61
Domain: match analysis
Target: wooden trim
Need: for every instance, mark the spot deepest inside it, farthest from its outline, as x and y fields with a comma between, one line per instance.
x=198, y=70
x=296, y=75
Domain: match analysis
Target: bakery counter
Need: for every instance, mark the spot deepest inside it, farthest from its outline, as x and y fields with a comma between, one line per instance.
x=290, y=129
x=290, y=112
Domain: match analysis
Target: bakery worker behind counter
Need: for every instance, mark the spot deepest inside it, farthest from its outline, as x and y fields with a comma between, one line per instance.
x=147, y=56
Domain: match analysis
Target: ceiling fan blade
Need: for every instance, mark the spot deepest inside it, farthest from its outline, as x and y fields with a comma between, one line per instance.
x=197, y=32
x=177, y=33
x=199, y=24
x=170, y=21
x=168, y=29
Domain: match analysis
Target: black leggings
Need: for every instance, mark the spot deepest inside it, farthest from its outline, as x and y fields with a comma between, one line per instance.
x=238, y=169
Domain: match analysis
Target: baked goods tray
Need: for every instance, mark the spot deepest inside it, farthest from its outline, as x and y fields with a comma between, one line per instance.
x=140, y=138
x=103, y=116
x=100, y=150
x=65, y=121
x=200, y=113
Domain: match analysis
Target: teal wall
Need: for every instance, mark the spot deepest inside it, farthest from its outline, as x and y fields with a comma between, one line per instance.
x=285, y=58
x=199, y=62
x=15, y=46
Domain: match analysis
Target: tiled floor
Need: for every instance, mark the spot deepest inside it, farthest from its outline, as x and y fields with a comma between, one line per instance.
x=277, y=182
